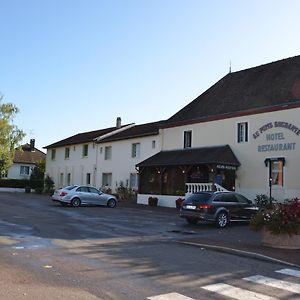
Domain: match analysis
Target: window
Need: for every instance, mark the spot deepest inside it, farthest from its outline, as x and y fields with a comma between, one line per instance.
x=24, y=170
x=277, y=172
x=107, y=152
x=85, y=150
x=93, y=190
x=61, y=179
x=68, y=178
x=242, y=136
x=88, y=178
x=67, y=153
x=187, y=139
x=153, y=144
x=133, y=182
x=106, y=179
x=53, y=154
x=135, y=150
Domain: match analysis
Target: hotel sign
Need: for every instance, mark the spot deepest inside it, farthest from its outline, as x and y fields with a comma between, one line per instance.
x=276, y=141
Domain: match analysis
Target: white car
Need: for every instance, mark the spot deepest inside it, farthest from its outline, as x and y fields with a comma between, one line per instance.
x=76, y=195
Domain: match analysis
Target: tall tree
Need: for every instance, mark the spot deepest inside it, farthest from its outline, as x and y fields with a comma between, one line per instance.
x=10, y=134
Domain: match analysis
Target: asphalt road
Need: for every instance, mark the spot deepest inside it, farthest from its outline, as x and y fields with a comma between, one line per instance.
x=129, y=252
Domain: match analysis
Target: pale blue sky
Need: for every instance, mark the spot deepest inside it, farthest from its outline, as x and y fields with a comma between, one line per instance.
x=76, y=65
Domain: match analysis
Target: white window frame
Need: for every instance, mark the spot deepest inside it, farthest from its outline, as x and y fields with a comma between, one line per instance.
x=187, y=142
x=277, y=172
x=24, y=170
x=106, y=179
x=108, y=153
x=85, y=150
x=135, y=150
x=133, y=181
x=242, y=132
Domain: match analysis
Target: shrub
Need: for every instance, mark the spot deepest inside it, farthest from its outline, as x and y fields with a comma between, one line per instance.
x=279, y=218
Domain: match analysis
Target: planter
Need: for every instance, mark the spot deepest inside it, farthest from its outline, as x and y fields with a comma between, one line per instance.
x=283, y=241
x=179, y=203
x=152, y=201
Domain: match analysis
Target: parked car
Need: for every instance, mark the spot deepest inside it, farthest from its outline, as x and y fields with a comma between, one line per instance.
x=217, y=207
x=76, y=195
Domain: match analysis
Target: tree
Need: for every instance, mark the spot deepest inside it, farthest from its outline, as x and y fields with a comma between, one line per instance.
x=10, y=134
x=39, y=170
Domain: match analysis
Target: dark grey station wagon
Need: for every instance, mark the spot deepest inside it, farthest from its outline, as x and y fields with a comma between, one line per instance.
x=217, y=207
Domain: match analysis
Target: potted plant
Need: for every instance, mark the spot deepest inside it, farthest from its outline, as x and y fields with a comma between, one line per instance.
x=280, y=224
x=179, y=202
x=152, y=201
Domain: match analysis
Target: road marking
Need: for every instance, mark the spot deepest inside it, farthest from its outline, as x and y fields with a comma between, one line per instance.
x=170, y=296
x=280, y=284
x=290, y=272
x=235, y=292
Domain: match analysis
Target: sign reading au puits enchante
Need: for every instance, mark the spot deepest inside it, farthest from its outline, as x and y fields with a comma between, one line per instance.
x=276, y=141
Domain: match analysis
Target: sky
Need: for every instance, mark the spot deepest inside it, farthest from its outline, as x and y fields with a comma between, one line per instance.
x=73, y=66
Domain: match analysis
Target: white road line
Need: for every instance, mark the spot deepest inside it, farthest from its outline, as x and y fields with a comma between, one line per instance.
x=235, y=292
x=290, y=272
x=170, y=296
x=280, y=284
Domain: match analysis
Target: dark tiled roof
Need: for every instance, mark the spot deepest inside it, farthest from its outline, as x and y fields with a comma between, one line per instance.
x=192, y=156
x=135, y=131
x=28, y=157
x=268, y=85
x=79, y=138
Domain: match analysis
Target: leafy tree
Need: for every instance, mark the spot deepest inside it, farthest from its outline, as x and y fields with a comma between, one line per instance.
x=10, y=134
x=39, y=170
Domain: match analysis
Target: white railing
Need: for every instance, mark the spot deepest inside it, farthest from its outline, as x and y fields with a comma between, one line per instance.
x=202, y=187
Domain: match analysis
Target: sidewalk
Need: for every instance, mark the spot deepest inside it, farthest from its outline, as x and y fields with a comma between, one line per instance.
x=239, y=239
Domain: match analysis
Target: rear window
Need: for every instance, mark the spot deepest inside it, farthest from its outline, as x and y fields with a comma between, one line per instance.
x=201, y=197
x=70, y=187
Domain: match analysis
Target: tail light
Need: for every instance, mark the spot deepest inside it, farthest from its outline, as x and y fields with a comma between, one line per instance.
x=202, y=206
x=63, y=194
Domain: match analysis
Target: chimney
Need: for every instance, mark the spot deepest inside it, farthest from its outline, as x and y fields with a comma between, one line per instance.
x=118, y=123
x=32, y=143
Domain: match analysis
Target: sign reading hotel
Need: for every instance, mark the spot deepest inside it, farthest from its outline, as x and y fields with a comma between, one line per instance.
x=276, y=141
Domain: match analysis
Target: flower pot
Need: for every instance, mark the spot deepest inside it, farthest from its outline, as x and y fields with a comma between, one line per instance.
x=152, y=201
x=179, y=203
x=282, y=240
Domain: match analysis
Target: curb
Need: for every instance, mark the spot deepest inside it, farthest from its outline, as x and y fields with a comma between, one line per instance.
x=243, y=253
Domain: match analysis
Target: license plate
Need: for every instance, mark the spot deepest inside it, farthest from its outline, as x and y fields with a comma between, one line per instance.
x=190, y=207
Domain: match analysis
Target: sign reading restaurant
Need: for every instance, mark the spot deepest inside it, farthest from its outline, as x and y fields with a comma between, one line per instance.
x=278, y=138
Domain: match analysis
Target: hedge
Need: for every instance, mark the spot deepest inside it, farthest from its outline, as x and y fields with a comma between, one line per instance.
x=21, y=183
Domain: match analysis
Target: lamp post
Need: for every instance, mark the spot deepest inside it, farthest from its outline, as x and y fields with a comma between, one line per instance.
x=270, y=185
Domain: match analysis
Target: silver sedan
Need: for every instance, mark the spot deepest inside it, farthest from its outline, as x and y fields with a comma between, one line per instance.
x=76, y=195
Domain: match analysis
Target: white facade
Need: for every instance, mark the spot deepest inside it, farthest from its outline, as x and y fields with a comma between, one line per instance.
x=77, y=168
x=20, y=171
x=265, y=141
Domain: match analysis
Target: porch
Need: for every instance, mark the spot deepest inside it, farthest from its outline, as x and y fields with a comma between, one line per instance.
x=169, y=175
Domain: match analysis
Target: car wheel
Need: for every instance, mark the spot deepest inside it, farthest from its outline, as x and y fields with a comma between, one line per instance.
x=222, y=219
x=193, y=221
x=75, y=202
x=111, y=203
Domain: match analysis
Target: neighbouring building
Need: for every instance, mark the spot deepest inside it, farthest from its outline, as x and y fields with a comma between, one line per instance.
x=103, y=158
x=241, y=134
x=24, y=161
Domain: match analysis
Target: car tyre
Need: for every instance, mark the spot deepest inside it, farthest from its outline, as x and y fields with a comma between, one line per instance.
x=222, y=219
x=75, y=202
x=192, y=221
x=111, y=203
